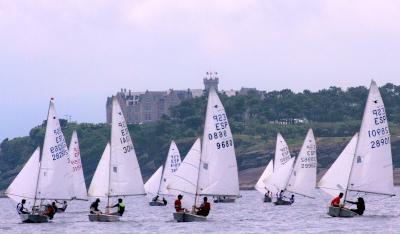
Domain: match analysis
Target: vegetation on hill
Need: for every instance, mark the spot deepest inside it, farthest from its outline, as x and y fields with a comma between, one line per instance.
x=334, y=114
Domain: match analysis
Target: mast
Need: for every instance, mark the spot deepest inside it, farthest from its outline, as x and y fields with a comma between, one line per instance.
x=37, y=180
x=351, y=170
x=161, y=178
x=198, y=177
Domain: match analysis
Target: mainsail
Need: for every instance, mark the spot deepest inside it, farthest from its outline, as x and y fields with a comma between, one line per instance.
x=219, y=172
x=125, y=176
x=372, y=170
x=118, y=172
x=54, y=179
x=158, y=182
x=304, y=175
x=78, y=180
x=282, y=154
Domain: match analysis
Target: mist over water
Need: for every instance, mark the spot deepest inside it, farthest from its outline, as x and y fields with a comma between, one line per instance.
x=248, y=215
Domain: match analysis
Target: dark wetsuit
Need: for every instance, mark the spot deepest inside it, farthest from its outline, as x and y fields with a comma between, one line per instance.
x=360, y=207
x=94, y=208
x=21, y=209
x=204, y=209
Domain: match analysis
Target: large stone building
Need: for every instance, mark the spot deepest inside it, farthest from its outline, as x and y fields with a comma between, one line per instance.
x=149, y=106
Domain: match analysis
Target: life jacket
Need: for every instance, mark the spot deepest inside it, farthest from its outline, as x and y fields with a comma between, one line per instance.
x=121, y=208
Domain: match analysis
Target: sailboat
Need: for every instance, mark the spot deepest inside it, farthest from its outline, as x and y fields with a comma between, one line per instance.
x=282, y=155
x=365, y=166
x=157, y=184
x=79, y=185
x=78, y=181
x=219, y=167
x=118, y=172
x=296, y=177
x=45, y=176
x=186, y=182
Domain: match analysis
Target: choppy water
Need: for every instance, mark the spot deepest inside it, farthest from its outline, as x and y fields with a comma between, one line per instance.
x=248, y=215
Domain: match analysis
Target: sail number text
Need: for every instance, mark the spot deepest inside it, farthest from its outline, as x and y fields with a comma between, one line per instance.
x=60, y=149
x=382, y=132
x=125, y=138
x=310, y=161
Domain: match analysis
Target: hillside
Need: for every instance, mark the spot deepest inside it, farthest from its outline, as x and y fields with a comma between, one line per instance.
x=333, y=114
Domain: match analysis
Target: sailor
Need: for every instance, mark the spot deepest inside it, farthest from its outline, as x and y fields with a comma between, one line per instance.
x=94, y=207
x=51, y=210
x=204, y=208
x=155, y=198
x=178, y=204
x=336, y=201
x=64, y=205
x=121, y=207
x=164, y=201
x=360, y=206
x=280, y=195
x=21, y=209
x=291, y=199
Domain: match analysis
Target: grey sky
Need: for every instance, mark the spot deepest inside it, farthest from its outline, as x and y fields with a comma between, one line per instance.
x=80, y=52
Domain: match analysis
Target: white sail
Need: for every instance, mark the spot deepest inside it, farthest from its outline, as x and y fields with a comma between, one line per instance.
x=78, y=180
x=184, y=181
x=24, y=185
x=219, y=172
x=260, y=185
x=279, y=179
x=373, y=167
x=125, y=176
x=171, y=166
x=54, y=179
x=336, y=179
x=304, y=175
x=153, y=184
x=282, y=154
x=99, y=185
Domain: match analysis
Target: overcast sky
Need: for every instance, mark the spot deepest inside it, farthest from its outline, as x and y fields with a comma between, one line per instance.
x=80, y=52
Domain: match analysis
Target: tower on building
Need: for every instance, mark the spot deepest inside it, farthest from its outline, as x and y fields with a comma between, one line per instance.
x=211, y=80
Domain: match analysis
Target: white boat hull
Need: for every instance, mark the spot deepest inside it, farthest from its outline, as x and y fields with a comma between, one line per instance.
x=34, y=218
x=157, y=203
x=341, y=212
x=188, y=217
x=103, y=218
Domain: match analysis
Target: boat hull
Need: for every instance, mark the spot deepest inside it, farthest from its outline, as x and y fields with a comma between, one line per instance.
x=103, y=218
x=267, y=199
x=34, y=218
x=341, y=212
x=157, y=203
x=188, y=217
x=224, y=200
x=282, y=203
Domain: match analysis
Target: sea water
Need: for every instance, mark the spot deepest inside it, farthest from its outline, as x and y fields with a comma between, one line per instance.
x=247, y=215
